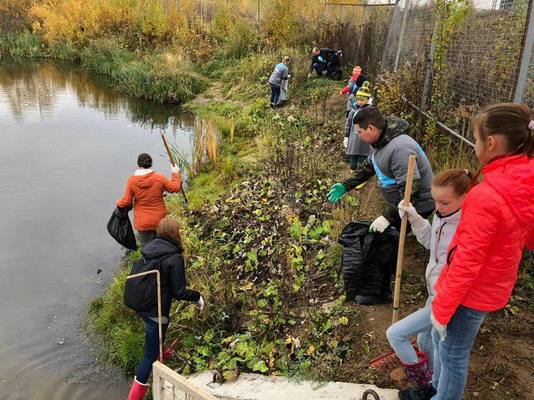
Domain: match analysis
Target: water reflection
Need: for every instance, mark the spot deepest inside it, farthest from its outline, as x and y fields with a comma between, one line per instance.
x=67, y=144
x=33, y=88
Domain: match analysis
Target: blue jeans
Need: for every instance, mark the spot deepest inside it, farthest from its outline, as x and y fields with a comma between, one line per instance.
x=417, y=323
x=275, y=94
x=144, y=369
x=451, y=357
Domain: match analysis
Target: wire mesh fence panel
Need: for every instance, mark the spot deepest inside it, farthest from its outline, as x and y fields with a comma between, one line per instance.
x=415, y=43
x=472, y=50
x=371, y=37
x=392, y=40
x=362, y=28
x=485, y=52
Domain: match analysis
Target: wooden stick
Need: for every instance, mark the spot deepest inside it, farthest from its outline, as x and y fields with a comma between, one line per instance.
x=158, y=282
x=171, y=159
x=160, y=330
x=402, y=238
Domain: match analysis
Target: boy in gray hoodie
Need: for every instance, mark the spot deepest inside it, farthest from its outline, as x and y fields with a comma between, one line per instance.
x=391, y=148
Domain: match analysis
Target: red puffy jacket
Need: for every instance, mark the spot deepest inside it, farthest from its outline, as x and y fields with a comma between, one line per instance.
x=484, y=255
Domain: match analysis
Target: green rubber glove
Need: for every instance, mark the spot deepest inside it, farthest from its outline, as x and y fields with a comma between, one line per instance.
x=337, y=191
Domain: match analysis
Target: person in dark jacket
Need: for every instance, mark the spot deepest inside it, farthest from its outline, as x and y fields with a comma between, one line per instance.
x=167, y=247
x=391, y=149
x=326, y=61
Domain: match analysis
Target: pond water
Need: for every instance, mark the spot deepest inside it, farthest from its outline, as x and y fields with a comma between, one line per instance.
x=67, y=145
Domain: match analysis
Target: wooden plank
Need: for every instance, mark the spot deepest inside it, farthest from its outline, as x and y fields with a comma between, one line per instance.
x=182, y=384
x=158, y=386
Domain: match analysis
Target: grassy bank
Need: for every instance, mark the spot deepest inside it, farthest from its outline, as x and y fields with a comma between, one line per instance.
x=158, y=76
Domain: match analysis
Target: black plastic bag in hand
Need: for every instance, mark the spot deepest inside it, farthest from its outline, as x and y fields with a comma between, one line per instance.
x=120, y=228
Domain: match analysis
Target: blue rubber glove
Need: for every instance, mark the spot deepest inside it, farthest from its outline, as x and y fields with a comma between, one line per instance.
x=337, y=191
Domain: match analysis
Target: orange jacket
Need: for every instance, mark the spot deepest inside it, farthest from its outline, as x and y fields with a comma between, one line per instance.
x=145, y=192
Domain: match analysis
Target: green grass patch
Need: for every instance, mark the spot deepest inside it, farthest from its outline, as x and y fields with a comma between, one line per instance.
x=150, y=77
x=23, y=44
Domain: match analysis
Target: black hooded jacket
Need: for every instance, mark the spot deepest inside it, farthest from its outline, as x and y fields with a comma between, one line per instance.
x=172, y=272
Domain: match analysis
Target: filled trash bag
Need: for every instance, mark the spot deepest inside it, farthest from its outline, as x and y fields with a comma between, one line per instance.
x=120, y=228
x=369, y=260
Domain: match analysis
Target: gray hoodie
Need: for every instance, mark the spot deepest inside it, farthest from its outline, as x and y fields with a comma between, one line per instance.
x=388, y=160
x=279, y=75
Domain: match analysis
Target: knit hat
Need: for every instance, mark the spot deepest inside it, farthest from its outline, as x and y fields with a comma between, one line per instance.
x=363, y=92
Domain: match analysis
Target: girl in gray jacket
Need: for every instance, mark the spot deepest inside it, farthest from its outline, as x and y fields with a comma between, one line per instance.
x=357, y=150
x=278, y=81
x=448, y=190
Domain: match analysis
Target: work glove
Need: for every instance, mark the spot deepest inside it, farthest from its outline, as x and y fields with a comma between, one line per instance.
x=418, y=223
x=200, y=303
x=337, y=191
x=379, y=225
x=175, y=169
x=441, y=329
x=309, y=75
x=410, y=210
x=345, y=142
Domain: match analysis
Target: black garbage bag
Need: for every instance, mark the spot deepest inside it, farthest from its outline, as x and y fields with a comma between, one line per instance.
x=369, y=260
x=120, y=228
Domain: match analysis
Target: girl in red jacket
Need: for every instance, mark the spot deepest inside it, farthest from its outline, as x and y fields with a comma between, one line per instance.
x=483, y=258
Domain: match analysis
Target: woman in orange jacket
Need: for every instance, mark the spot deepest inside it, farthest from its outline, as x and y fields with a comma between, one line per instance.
x=144, y=190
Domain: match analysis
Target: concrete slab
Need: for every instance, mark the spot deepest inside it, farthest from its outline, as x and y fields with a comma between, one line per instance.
x=260, y=387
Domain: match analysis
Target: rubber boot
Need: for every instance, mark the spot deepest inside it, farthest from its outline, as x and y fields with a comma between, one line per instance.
x=138, y=390
x=419, y=377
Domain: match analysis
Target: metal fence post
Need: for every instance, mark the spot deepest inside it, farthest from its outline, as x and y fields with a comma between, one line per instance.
x=401, y=36
x=528, y=43
x=361, y=32
x=430, y=64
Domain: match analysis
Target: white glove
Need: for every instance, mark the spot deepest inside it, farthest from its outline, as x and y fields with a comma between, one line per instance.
x=379, y=225
x=309, y=75
x=418, y=223
x=345, y=142
x=200, y=303
x=175, y=169
x=410, y=210
x=441, y=329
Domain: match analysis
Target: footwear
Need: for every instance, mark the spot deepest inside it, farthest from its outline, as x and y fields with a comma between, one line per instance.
x=425, y=393
x=419, y=377
x=370, y=300
x=138, y=390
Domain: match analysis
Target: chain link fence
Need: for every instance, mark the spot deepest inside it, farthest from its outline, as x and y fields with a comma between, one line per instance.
x=476, y=52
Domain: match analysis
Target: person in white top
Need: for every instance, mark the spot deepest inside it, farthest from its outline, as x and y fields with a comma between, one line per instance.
x=448, y=190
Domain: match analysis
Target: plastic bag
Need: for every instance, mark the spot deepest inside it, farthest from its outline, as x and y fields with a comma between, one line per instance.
x=120, y=228
x=369, y=260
